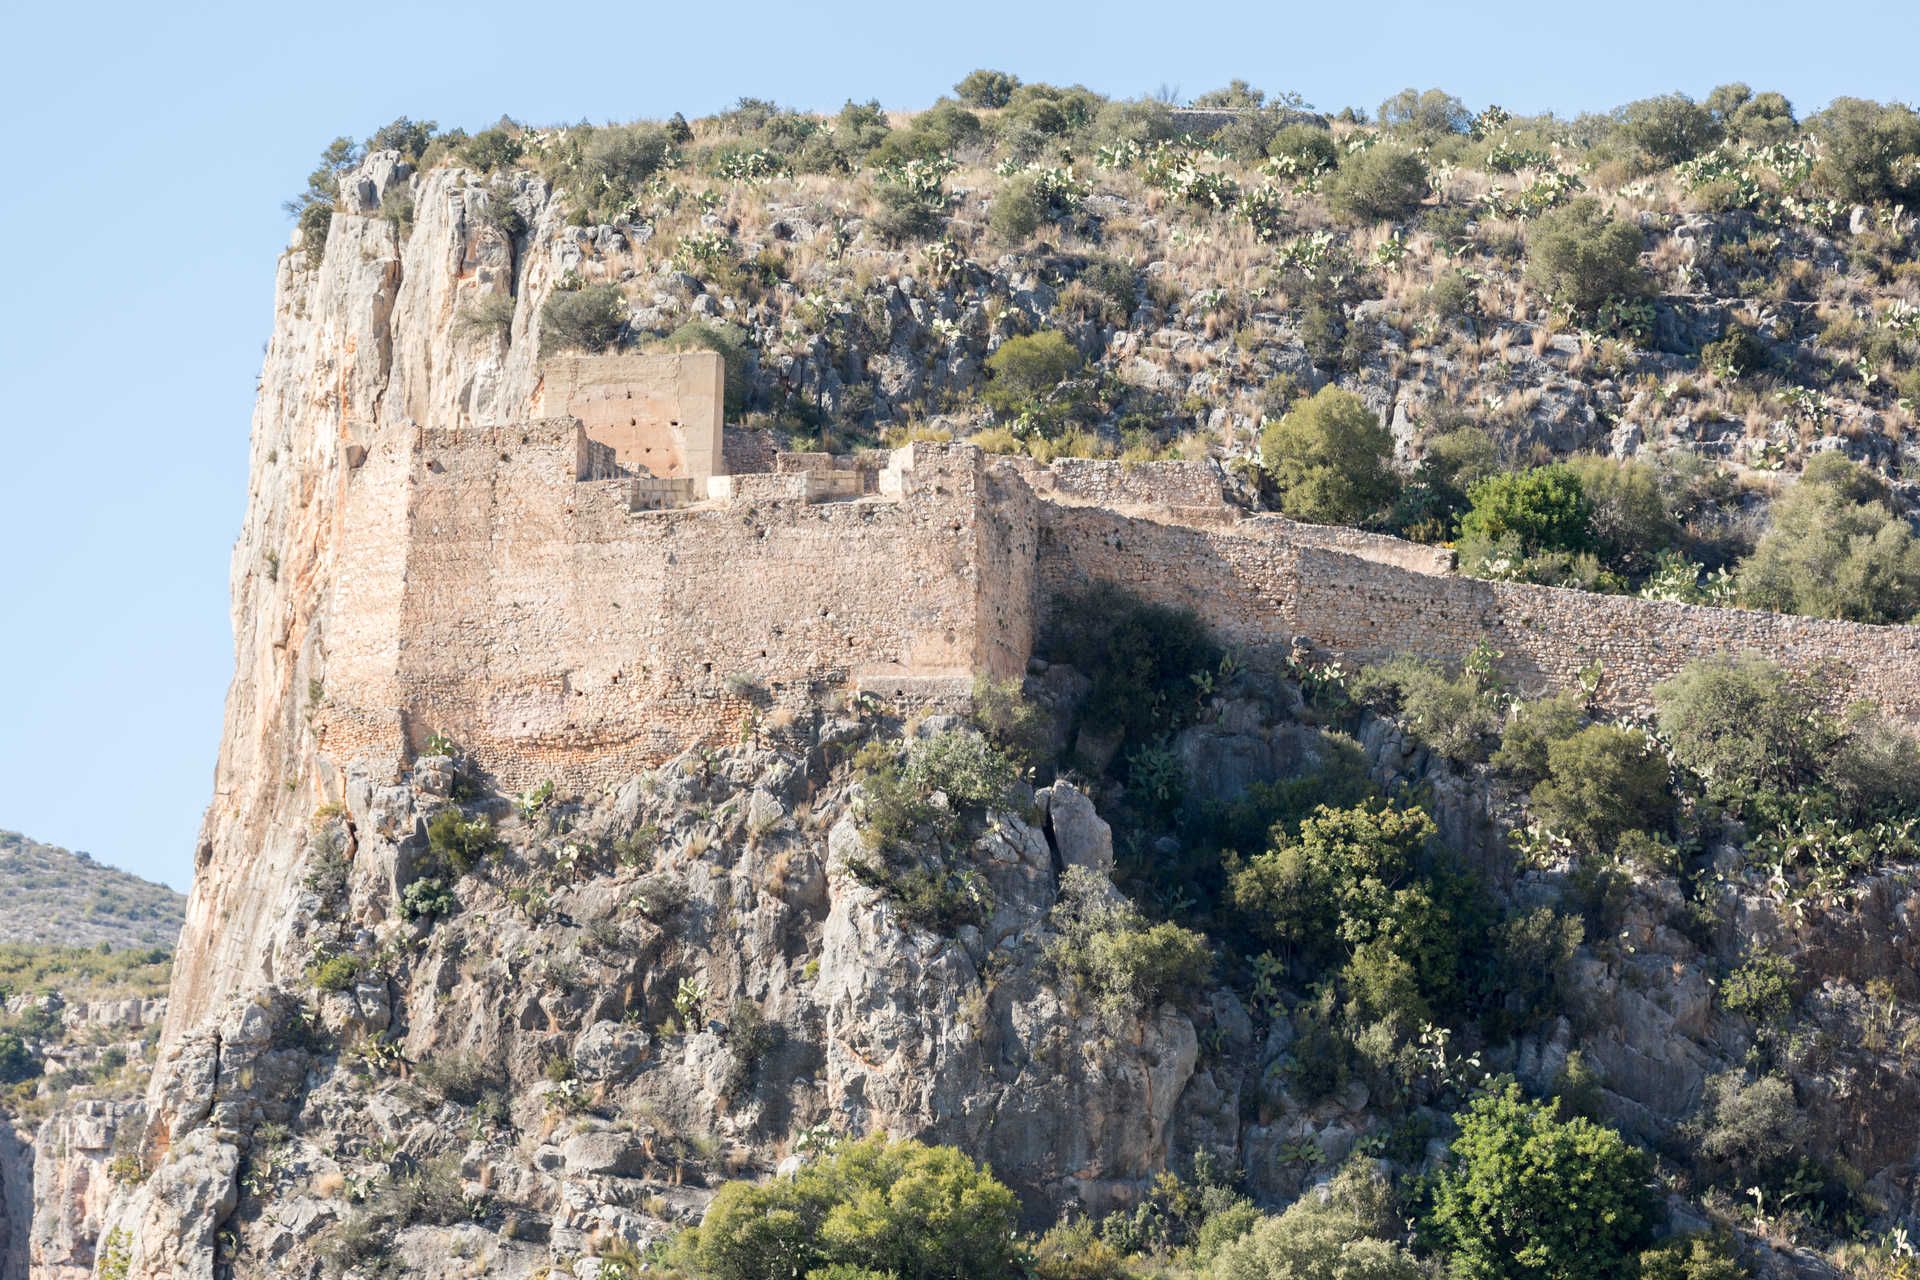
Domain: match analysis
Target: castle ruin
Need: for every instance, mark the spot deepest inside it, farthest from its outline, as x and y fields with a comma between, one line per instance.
x=583, y=595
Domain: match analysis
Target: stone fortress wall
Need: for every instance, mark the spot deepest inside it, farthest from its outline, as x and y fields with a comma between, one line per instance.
x=516, y=588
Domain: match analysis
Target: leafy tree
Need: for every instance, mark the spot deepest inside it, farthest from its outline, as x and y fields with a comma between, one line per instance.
x=1026, y=368
x=1237, y=96
x=1329, y=459
x=589, y=319
x=1384, y=183
x=1669, y=128
x=408, y=137
x=875, y=1206
x=1870, y=150
x=1632, y=519
x=1749, y=116
x=1337, y=882
x=1582, y=257
x=1433, y=113
x=1747, y=1131
x=1835, y=548
x=1527, y=1196
x=984, y=88
x=1603, y=782
x=1746, y=725
x=1518, y=514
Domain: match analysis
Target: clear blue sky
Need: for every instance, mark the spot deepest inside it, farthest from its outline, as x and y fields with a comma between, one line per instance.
x=148, y=149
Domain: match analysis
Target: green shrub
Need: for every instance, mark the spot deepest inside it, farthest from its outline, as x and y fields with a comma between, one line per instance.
x=17, y=1062
x=1304, y=148
x=1009, y=719
x=490, y=149
x=426, y=898
x=1691, y=1258
x=1869, y=150
x=1669, y=128
x=1026, y=368
x=1384, y=183
x=1747, y=1132
x=1603, y=782
x=588, y=319
x=1761, y=989
x=1632, y=521
x=1835, y=548
x=1433, y=113
x=488, y=317
x=1521, y=514
x=459, y=843
x=336, y=972
x=1535, y=727
x=1457, y=713
x=730, y=341
x=1746, y=725
x=1329, y=459
x=891, y=1208
x=1347, y=1235
x=1017, y=210
x=1527, y=1196
x=1111, y=955
x=1146, y=661
x=1582, y=258
x=1335, y=884
x=984, y=88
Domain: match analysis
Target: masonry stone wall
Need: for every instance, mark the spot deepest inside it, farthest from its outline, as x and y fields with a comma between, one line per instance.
x=556, y=633
x=492, y=593
x=1261, y=592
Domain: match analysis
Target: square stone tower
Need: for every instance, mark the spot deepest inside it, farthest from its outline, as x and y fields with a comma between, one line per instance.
x=661, y=414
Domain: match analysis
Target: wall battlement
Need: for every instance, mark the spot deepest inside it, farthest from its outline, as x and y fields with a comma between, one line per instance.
x=529, y=601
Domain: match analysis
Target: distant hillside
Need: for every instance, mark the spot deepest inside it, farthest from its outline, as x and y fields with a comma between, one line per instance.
x=50, y=895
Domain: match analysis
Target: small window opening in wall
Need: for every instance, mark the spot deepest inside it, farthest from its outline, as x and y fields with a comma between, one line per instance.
x=674, y=423
x=633, y=422
x=707, y=667
x=763, y=653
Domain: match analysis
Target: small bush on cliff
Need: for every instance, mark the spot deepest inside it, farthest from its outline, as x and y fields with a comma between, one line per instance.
x=1669, y=128
x=1747, y=726
x=1692, y=1258
x=1125, y=966
x=588, y=319
x=1328, y=459
x=1835, y=548
x=1527, y=1196
x=1603, y=782
x=1027, y=369
x=1535, y=727
x=871, y=1207
x=1581, y=257
x=1457, y=713
x=1384, y=183
x=458, y=842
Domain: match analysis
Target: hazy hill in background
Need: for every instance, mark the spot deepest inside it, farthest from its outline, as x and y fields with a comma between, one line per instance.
x=51, y=895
